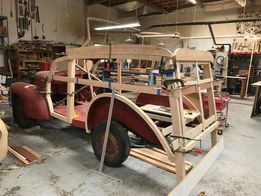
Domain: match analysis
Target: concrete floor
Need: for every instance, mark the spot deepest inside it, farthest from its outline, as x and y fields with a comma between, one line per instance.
x=69, y=165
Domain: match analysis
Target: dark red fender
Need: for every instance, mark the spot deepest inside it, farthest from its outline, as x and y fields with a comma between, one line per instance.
x=122, y=113
x=34, y=102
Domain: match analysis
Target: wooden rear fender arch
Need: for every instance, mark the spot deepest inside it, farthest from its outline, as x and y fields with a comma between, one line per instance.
x=128, y=114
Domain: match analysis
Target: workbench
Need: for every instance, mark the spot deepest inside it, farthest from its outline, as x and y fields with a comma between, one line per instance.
x=257, y=103
x=243, y=84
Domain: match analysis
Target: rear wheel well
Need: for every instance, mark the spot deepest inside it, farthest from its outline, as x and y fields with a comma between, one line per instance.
x=124, y=114
x=19, y=115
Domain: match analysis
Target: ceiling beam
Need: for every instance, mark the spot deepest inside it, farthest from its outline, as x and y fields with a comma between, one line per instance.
x=205, y=23
x=179, y=7
x=118, y=2
x=152, y=5
x=200, y=3
x=93, y=2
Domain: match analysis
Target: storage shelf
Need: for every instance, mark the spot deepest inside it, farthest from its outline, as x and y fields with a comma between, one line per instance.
x=239, y=53
x=32, y=61
x=34, y=51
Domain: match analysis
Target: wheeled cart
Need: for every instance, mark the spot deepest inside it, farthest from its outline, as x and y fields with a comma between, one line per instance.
x=222, y=105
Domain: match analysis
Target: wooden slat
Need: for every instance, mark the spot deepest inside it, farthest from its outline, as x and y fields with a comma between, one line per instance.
x=146, y=52
x=70, y=92
x=178, y=126
x=59, y=116
x=18, y=156
x=27, y=153
x=157, y=113
x=192, y=144
x=159, y=117
x=158, y=158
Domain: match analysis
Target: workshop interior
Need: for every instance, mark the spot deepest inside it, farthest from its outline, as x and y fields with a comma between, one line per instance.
x=117, y=97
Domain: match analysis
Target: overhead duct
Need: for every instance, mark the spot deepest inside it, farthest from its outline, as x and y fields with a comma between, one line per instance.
x=222, y=5
x=205, y=22
x=129, y=6
x=214, y=39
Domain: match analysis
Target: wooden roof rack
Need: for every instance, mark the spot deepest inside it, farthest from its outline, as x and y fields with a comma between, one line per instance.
x=147, y=52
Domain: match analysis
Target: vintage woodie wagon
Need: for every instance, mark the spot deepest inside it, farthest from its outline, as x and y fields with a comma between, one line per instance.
x=171, y=118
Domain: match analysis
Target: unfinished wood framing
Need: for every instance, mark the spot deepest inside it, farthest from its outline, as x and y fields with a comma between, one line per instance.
x=191, y=94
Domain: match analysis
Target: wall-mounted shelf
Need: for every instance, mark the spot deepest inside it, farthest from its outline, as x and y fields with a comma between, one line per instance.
x=4, y=44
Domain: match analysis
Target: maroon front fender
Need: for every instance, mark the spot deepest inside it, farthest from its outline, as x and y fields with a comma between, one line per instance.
x=34, y=102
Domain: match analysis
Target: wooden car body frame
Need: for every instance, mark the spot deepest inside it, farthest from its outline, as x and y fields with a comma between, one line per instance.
x=191, y=93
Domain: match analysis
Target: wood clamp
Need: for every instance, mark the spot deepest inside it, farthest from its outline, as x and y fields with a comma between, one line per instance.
x=169, y=84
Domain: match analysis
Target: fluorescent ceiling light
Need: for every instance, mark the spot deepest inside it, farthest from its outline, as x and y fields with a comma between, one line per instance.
x=123, y=26
x=193, y=1
x=174, y=35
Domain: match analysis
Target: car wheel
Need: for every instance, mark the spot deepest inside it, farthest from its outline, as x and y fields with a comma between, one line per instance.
x=20, y=117
x=118, y=146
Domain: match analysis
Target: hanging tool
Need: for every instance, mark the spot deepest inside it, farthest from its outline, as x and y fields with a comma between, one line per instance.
x=33, y=9
x=43, y=36
x=16, y=12
x=33, y=6
x=2, y=13
x=25, y=9
x=20, y=8
x=66, y=8
x=37, y=14
x=35, y=34
x=11, y=8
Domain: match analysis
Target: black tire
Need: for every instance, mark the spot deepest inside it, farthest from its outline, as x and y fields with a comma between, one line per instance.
x=118, y=147
x=20, y=117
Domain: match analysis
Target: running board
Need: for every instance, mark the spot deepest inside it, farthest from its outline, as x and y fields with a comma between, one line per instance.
x=158, y=158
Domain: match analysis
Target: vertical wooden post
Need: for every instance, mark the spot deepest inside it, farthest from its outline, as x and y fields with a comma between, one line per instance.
x=201, y=109
x=211, y=101
x=88, y=67
x=214, y=138
x=210, y=91
x=70, y=91
x=177, y=73
x=178, y=124
x=49, y=87
x=250, y=66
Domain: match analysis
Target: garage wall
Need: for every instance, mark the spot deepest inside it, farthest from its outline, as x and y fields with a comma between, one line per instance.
x=57, y=25
x=194, y=14
x=185, y=15
x=100, y=11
